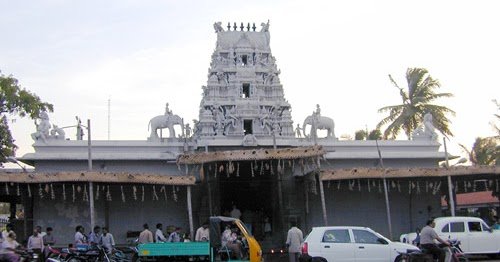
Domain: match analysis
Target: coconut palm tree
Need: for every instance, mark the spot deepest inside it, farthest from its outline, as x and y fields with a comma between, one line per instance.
x=484, y=151
x=417, y=101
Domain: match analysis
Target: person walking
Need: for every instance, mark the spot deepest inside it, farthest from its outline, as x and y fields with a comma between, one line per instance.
x=146, y=236
x=35, y=243
x=294, y=241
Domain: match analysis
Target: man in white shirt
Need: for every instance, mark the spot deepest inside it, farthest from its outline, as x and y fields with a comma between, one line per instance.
x=294, y=241
x=8, y=247
x=35, y=242
x=202, y=233
x=146, y=236
x=159, y=237
x=79, y=236
x=107, y=240
x=95, y=236
x=427, y=237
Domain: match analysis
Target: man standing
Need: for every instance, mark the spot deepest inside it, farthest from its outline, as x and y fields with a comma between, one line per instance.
x=175, y=236
x=79, y=236
x=294, y=241
x=35, y=242
x=95, y=236
x=202, y=233
x=146, y=236
x=159, y=237
x=427, y=237
x=107, y=240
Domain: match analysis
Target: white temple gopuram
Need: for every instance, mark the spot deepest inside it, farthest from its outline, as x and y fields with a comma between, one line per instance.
x=245, y=150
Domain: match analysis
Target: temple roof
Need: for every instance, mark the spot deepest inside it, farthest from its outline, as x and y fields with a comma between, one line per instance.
x=251, y=154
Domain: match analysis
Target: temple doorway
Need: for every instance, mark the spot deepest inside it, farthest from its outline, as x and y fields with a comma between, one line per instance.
x=251, y=188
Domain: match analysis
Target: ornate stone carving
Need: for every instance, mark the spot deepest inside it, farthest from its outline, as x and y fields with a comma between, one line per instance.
x=168, y=120
x=426, y=130
x=42, y=127
x=318, y=122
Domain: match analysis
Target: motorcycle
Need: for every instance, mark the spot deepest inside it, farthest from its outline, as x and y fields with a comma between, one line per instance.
x=453, y=253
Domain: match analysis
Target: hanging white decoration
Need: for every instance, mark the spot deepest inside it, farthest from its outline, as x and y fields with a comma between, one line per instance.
x=418, y=187
x=221, y=168
x=338, y=185
x=455, y=187
x=426, y=186
x=40, y=191
x=177, y=188
x=123, y=194
x=97, y=192
x=267, y=166
x=271, y=167
x=142, y=198
x=108, y=194
x=215, y=175
x=47, y=188
x=85, y=196
x=174, y=194
x=393, y=184
x=399, y=187
x=351, y=184
x=368, y=185
x=465, y=186
x=231, y=167
x=238, y=170
x=293, y=166
x=52, y=193
x=164, y=190
x=227, y=170
x=18, y=190
x=359, y=185
x=261, y=168
x=409, y=187
x=29, y=190
x=437, y=187
x=155, y=196
x=134, y=192
x=328, y=185
x=7, y=188
x=474, y=186
x=64, y=192
x=251, y=169
x=379, y=187
x=278, y=167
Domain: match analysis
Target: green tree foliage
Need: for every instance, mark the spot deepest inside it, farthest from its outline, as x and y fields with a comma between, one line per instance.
x=360, y=135
x=416, y=102
x=485, y=151
x=375, y=134
x=15, y=101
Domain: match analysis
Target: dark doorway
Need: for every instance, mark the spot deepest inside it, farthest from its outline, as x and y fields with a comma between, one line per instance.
x=251, y=188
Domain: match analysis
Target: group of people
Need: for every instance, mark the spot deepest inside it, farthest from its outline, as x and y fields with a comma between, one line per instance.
x=104, y=239
x=146, y=236
x=37, y=243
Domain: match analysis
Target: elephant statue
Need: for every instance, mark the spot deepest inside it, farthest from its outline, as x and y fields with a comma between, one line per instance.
x=321, y=122
x=165, y=121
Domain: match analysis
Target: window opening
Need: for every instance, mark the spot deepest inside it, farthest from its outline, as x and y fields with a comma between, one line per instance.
x=246, y=91
x=247, y=126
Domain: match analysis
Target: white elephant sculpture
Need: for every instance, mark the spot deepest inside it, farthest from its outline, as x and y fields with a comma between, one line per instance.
x=322, y=122
x=164, y=121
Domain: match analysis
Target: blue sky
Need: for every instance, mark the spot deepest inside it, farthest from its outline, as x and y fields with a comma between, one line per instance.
x=143, y=54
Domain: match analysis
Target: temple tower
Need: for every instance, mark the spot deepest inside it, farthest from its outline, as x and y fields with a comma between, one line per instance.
x=243, y=95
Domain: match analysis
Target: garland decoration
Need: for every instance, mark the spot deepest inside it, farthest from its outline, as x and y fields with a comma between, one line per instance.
x=64, y=192
x=85, y=196
x=108, y=194
x=123, y=194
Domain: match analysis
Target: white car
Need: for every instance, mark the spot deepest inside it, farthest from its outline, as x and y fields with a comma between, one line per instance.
x=474, y=235
x=349, y=243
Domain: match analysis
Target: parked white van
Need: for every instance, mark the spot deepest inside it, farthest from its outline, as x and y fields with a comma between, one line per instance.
x=475, y=235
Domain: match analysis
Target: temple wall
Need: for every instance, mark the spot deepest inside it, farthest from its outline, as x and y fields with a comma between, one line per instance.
x=121, y=216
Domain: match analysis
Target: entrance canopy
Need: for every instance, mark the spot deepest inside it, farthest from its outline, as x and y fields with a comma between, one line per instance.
x=251, y=154
x=98, y=177
x=374, y=173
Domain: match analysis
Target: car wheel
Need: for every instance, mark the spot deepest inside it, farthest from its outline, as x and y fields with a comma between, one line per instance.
x=401, y=258
x=318, y=259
